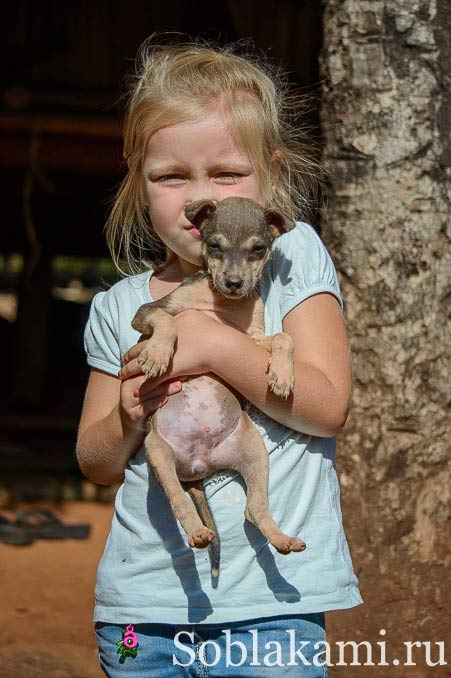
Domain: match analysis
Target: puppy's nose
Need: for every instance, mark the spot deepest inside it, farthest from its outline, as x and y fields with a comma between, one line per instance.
x=234, y=284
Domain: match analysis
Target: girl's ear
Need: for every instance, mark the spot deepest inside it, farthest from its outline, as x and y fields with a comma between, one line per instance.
x=276, y=164
x=278, y=222
x=199, y=211
x=277, y=159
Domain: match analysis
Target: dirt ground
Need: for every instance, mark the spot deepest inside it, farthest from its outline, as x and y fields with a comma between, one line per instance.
x=47, y=603
x=47, y=599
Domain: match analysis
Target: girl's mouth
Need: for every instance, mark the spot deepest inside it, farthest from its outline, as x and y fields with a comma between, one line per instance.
x=194, y=231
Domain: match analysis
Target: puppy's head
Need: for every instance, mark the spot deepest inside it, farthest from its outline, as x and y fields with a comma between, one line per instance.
x=236, y=235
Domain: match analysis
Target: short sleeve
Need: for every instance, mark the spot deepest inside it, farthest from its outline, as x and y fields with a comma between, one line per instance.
x=101, y=337
x=302, y=267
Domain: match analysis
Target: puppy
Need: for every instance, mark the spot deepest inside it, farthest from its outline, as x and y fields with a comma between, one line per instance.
x=203, y=428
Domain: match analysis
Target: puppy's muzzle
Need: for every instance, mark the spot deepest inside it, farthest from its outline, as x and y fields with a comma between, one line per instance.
x=233, y=284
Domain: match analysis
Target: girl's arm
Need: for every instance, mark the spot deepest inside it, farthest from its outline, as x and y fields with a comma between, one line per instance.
x=320, y=402
x=112, y=424
x=113, y=421
x=104, y=445
x=322, y=365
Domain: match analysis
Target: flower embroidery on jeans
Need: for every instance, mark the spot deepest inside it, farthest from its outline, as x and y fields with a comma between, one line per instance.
x=128, y=646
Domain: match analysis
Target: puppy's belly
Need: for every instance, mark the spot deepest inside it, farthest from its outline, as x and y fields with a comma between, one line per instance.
x=196, y=422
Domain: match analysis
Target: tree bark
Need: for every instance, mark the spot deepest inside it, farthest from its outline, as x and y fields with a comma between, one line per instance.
x=386, y=114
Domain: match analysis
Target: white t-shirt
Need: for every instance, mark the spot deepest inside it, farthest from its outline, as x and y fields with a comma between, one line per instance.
x=147, y=572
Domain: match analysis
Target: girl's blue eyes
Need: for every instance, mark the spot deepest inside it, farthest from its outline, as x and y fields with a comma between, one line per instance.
x=177, y=178
x=170, y=178
x=229, y=175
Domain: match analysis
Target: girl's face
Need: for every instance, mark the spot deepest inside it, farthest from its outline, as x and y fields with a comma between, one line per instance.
x=192, y=161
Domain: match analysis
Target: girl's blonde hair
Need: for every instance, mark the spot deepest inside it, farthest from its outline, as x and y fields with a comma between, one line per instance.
x=182, y=82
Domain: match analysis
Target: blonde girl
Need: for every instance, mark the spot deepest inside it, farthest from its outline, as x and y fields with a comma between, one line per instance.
x=210, y=122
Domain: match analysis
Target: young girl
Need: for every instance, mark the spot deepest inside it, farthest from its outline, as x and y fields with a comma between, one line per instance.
x=205, y=122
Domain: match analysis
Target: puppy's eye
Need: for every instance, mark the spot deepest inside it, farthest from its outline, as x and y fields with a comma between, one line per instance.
x=213, y=247
x=258, y=249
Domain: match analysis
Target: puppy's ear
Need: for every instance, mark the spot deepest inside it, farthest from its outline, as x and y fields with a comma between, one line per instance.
x=278, y=222
x=199, y=211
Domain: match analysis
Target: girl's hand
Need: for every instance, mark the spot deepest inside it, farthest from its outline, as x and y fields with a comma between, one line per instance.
x=136, y=406
x=197, y=332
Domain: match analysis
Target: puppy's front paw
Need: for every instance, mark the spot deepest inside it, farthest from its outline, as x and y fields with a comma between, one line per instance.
x=281, y=382
x=154, y=360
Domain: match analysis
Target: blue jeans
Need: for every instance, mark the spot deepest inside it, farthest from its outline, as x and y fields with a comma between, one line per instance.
x=263, y=648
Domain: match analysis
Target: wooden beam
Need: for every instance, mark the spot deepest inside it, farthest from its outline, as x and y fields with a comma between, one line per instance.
x=67, y=125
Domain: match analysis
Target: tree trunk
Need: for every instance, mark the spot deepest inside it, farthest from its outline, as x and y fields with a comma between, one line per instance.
x=386, y=114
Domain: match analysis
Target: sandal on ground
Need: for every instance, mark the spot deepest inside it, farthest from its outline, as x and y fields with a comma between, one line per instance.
x=44, y=524
x=13, y=534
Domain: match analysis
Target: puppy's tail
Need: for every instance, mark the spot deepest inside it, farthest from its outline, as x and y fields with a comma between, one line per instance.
x=196, y=491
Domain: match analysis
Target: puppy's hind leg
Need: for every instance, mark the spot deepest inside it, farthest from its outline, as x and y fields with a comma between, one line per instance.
x=161, y=459
x=254, y=468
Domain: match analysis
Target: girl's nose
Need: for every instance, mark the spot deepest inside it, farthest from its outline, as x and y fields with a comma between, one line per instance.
x=202, y=190
x=201, y=195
